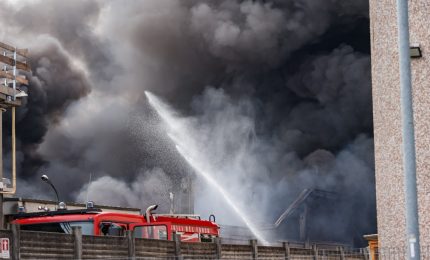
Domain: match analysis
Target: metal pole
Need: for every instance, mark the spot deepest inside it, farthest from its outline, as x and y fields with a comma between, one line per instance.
x=14, y=76
x=55, y=190
x=409, y=160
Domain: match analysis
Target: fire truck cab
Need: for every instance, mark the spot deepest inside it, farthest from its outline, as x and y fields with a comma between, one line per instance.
x=95, y=222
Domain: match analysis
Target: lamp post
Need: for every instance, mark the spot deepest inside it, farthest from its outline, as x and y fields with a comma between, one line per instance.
x=46, y=179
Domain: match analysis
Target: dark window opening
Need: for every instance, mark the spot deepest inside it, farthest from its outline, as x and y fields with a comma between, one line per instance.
x=112, y=229
x=151, y=232
x=61, y=227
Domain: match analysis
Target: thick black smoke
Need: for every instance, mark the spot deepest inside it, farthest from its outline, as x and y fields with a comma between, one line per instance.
x=278, y=89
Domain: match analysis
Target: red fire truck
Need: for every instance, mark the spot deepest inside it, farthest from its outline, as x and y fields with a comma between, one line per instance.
x=95, y=222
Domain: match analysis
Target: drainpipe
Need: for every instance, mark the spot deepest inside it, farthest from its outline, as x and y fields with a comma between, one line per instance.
x=409, y=160
x=13, y=189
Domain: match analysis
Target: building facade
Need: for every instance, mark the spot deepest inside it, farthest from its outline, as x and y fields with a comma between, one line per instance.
x=387, y=118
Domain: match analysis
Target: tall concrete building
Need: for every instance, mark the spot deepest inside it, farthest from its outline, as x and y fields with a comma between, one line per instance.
x=387, y=118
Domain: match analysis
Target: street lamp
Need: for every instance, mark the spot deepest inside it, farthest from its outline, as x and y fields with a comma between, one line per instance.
x=46, y=179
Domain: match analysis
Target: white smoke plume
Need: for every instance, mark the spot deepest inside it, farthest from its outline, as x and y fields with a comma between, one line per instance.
x=106, y=190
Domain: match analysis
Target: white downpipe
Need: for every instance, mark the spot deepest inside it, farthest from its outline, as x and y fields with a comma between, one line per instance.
x=13, y=189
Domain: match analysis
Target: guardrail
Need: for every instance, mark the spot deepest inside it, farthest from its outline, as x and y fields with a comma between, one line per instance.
x=49, y=245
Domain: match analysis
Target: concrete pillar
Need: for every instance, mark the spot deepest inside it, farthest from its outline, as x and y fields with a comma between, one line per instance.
x=15, y=242
x=77, y=242
x=254, y=246
x=286, y=246
x=218, y=247
x=177, y=239
x=131, y=245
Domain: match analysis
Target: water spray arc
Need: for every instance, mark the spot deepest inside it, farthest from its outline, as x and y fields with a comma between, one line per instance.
x=180, y=138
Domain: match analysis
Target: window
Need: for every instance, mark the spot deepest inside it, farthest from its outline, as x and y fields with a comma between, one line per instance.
x=151, y=232
x=206, y=238
x=112, y=229
x=61, y=227
x=87, y=227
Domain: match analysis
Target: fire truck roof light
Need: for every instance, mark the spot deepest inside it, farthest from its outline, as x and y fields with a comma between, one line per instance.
x=62, y=205
x=21, y=209
x=44, y=208
x=90, y=204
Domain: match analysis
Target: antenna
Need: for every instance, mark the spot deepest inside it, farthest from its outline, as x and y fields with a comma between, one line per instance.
x=172, y=202
x=88, y=187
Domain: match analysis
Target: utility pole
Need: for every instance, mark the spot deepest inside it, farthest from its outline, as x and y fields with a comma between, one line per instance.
x=12, y=59
x=408, y=133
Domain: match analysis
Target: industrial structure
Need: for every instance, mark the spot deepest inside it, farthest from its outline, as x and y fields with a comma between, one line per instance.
x=300, y=221
x=387, y=115
x=12, y=60
x=183, y=199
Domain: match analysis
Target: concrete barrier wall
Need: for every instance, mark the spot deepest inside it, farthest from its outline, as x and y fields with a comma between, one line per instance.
x=95, y=247
x=44, y=245
x=269, y=252
x=35, y=245
x=236, y=252
x=199, y=251
x=157, y=249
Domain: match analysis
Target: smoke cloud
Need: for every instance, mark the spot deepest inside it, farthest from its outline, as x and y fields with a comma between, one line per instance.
x=152, y=184
x=276, y=96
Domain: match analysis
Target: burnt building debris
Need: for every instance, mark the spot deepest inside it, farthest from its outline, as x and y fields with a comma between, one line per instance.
x=303, y=220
